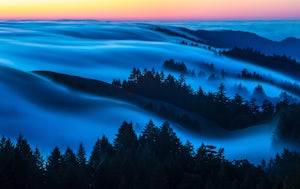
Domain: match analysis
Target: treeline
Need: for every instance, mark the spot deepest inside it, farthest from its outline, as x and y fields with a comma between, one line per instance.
x=248, y=75
x=155, y=159
x=175, y=66
x=180, y=67
x=176, y=34
x=293, y=88
x=229, y=113
x=274, y=62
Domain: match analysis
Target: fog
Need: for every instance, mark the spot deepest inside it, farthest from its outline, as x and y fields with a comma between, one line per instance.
x=48, y=114
x=46, y=120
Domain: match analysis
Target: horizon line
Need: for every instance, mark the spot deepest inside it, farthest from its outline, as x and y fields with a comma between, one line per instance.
x=130, y=19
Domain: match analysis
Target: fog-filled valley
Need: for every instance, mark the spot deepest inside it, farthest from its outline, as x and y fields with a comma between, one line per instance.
x=39, y=100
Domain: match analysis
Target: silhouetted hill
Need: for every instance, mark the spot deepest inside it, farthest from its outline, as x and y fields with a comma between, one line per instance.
x=281, y=63
x=230, y=39
x=291, y=41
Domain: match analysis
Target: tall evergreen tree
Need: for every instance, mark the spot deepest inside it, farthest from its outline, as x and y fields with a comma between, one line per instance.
x=54, y=169
x=40, y=169
x=150, y=135
x=25, y=172
x=168, y=142
x=71, y=172
x=82, y=171
x=106, y=148
x=95, y=158
x=7, y=158
x=126, y=138
x=94, y=163
x=81, y=155
x=40, y=162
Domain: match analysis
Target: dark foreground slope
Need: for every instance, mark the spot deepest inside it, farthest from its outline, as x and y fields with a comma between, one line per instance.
x=157, y=159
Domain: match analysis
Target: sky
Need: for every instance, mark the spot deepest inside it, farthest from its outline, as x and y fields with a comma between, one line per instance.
x=150, y=9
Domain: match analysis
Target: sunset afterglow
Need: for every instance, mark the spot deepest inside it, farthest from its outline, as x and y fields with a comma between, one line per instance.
x=154, y=9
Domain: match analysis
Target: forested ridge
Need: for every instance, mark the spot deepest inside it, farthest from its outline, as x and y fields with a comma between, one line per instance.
x=229, y=113
x=279, y=63
x=155, y=159
x=156, y=92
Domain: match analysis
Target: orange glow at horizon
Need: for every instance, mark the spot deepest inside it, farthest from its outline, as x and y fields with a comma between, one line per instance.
x=146, y=9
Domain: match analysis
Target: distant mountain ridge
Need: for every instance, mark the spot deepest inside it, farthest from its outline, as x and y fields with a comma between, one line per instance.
x=230, y=38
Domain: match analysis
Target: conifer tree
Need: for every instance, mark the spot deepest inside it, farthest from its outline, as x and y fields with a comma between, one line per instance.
x=54, y=169
x=81, y=155
x=126, y=138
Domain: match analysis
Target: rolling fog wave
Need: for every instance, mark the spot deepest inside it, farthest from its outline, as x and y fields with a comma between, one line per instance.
x=48, y=114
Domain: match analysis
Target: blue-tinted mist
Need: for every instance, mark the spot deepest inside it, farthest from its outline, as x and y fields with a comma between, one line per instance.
x=48, y=114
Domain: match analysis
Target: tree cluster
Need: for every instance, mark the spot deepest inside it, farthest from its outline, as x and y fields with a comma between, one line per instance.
x=288, y=129
x=284, y=169
x=289, y=86
x=229, y=113
x=248, y=75
x=286, y=85
x=175, y=66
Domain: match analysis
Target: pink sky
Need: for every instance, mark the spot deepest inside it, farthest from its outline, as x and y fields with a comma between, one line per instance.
x=146, y=9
